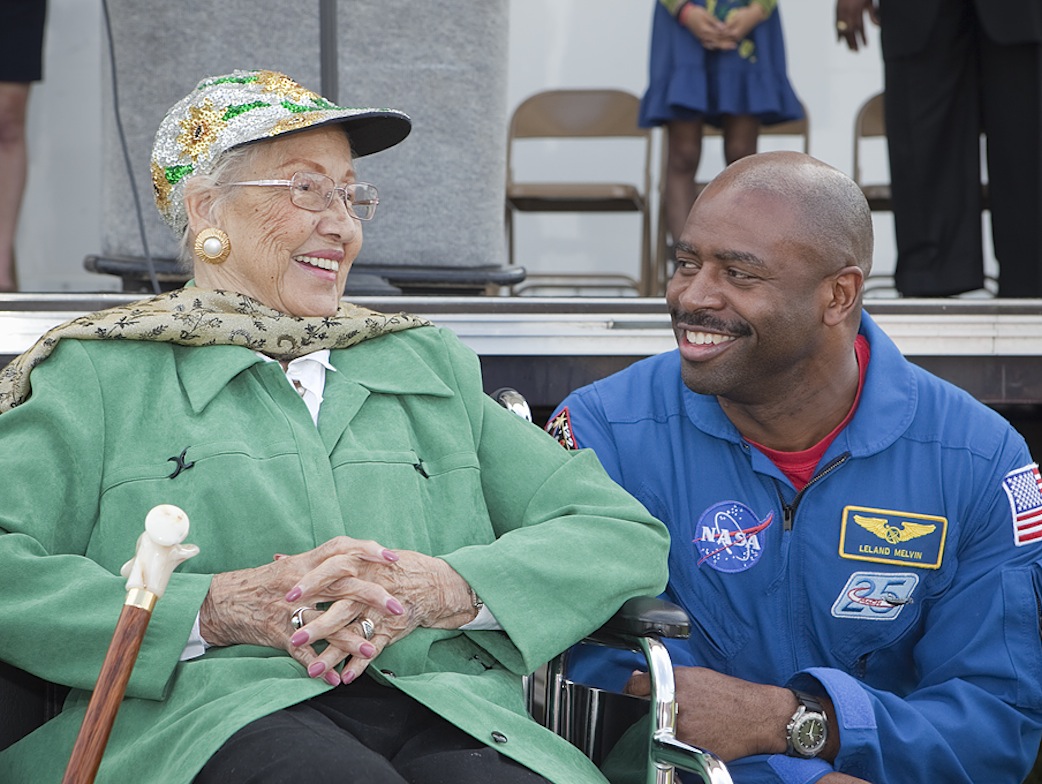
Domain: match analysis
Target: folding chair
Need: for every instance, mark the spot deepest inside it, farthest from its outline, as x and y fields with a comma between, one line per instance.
x=581, y=114
x=797, y=130
x=870, y=123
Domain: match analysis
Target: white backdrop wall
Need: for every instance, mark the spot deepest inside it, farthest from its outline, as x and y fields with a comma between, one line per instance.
x=552, y=43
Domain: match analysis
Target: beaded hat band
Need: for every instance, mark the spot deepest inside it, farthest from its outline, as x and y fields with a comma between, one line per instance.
x=245, y=106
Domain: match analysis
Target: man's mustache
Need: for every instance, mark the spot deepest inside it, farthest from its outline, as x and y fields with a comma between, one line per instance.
x=709, y=322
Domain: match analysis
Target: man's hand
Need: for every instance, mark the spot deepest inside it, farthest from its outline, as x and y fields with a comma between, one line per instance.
x=730, y=717
x=850, y=21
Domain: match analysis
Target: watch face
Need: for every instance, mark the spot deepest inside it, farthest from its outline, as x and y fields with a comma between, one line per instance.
x=809, y=734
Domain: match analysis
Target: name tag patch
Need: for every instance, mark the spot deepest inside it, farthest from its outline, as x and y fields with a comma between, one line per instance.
x=875, y=596
x=892, y=537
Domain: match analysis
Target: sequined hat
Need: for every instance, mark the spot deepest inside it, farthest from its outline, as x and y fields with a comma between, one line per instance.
x=223, y=112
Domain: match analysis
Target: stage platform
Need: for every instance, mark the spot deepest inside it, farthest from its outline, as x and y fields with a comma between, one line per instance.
x=545, y=347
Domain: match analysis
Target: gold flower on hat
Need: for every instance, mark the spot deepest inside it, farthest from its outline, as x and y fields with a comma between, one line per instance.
x=162, y=186
x=283, y=86
x=295, y=122
x=199, y=130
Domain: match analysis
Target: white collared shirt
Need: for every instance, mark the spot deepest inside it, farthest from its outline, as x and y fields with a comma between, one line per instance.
x=307, y=375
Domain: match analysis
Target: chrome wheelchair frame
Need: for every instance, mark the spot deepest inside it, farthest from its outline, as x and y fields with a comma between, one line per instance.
x=581, y=713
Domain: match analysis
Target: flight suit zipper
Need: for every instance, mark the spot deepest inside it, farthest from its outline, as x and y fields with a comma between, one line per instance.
x=789, y=510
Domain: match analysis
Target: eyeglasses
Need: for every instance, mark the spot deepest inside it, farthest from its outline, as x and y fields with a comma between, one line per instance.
x=314, y=192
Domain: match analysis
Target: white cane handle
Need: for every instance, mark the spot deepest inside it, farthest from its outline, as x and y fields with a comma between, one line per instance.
x=159, y=550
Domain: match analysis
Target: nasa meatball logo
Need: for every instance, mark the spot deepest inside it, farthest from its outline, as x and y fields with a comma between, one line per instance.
x=729, y=536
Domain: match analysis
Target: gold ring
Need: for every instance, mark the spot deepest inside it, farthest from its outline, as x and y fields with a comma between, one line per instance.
x=842, y=26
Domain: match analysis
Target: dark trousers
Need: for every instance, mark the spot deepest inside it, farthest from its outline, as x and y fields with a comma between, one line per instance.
x=938, y=102
x=362, y=732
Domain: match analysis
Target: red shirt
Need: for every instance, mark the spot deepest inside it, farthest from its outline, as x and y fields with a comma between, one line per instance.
x=799, y=466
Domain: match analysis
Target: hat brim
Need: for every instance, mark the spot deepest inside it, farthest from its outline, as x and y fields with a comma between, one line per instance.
x=369, y=132
x=374, y=132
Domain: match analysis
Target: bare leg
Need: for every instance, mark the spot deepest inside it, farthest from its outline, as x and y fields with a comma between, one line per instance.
x=14, y=96
x=684, y=151
x=741, y=132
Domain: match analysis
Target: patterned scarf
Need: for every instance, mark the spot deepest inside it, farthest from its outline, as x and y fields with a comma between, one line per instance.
x=206, y=317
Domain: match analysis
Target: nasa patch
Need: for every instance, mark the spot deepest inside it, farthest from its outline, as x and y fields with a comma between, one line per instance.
x=728, y=537
x=560, y=427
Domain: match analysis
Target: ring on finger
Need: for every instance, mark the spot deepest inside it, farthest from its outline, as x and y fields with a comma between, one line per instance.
x=842, y=26
x=297, y=618
x=368, y=628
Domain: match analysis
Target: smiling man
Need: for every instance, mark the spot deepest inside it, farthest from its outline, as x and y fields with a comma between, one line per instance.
x=856, y=540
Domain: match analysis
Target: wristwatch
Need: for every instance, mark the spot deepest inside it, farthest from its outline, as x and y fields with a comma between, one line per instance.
x=808, y=728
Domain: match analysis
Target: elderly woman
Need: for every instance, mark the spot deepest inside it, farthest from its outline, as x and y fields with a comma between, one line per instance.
x=384, y=550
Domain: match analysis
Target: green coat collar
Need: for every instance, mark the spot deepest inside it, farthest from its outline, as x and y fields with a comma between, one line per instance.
x=204, y=372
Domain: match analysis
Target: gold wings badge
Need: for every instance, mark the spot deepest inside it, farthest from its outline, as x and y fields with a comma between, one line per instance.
x=891, y=533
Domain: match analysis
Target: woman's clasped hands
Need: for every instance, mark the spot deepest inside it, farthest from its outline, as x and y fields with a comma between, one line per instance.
x=714, y=33
x=340, y=603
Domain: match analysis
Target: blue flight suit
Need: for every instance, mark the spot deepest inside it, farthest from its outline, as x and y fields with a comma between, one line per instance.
x=903, y=581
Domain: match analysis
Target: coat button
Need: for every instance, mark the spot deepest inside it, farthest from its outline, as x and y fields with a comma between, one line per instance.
x=388, y=673
x=499, y=737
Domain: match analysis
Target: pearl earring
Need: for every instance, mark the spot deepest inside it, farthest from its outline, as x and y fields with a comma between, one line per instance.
x=212, y=246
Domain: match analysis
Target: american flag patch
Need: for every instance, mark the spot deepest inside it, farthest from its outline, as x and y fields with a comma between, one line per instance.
x=1024, y=489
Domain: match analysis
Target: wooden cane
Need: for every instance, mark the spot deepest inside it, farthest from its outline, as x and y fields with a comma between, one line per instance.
x=159, y=551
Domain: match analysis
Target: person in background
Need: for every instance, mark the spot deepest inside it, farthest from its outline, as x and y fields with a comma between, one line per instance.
x=954, y=69
x=384, y=551
x=856, y=541
x=21, y=63
x=720, y=62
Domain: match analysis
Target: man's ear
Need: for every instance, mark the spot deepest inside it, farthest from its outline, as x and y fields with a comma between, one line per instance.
x=845, y=289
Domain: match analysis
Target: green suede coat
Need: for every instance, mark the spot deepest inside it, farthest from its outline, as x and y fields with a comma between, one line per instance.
x=551, y=544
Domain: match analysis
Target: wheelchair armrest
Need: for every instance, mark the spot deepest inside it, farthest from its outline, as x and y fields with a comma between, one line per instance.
x=636, y=626
x=643, y=616
x=594, y=720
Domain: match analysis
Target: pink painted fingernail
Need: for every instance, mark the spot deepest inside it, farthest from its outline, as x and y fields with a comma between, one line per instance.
x=332, y=678
x=294, y=593
x=394, y=607
x=316, y=668
x=389, y=556
x=368, y=650
x=348, y=676
x=299, y=638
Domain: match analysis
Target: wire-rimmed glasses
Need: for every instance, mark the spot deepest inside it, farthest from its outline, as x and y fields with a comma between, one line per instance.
x=313, y=192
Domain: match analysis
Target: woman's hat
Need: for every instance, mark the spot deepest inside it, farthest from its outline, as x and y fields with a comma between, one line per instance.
x=245, y=106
